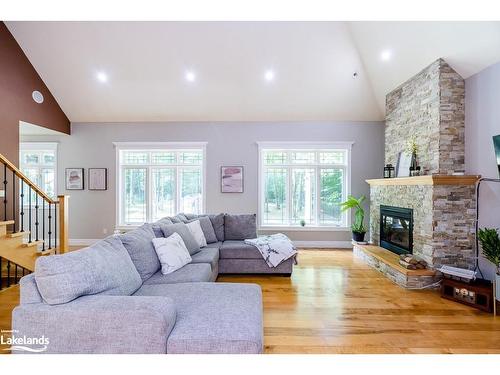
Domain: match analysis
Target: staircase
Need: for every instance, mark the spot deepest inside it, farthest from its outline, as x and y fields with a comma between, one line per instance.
x=31, y=224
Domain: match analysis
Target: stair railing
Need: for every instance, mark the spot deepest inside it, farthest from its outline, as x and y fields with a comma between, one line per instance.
x=19, y=190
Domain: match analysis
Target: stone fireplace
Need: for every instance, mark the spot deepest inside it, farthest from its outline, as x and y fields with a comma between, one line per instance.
x=442, y=203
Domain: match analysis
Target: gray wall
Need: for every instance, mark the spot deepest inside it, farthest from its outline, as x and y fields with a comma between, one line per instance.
x=90, y=145
x=482, y=122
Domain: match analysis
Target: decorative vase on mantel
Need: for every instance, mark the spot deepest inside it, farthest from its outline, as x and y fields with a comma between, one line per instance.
x=413, y=164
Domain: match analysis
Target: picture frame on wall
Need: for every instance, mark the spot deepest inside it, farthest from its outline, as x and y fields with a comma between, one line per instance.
x=232, y=179
x=98, y=179
x=403, y=166
x=75, y=179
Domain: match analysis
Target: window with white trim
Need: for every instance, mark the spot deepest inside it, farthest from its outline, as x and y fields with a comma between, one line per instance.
x=158, y=181
x=38, y=161
x=303, y=183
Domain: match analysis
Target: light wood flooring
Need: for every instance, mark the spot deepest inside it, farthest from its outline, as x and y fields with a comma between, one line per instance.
x=334, y=303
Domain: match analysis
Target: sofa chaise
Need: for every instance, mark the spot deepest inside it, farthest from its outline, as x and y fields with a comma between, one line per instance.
x=112, y=297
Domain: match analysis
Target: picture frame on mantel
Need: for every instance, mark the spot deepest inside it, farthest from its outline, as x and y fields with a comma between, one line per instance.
x=403, y=165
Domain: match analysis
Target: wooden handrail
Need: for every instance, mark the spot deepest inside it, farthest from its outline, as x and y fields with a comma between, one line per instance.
x=23, y=177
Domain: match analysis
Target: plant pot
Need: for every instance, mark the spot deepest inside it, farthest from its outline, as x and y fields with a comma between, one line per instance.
x=358, y=236
x=497, y=286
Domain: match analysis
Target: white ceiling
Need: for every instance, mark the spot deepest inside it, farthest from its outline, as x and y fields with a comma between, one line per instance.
x=313, y=61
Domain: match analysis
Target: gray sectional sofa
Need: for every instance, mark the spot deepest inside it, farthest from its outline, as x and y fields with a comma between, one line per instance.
x=112, y=297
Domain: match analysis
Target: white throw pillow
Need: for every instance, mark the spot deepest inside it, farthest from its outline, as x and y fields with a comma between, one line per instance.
x=172, y=253
x=195, y=229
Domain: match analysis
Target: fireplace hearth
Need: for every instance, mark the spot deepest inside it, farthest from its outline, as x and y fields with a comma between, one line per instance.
x=396, y=229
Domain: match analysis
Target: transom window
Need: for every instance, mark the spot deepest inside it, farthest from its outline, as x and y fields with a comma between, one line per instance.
x=303, y=184
x=38, y=161
x=159, y=181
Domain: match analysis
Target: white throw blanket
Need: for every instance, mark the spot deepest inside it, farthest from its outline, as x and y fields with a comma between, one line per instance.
x=275, y=248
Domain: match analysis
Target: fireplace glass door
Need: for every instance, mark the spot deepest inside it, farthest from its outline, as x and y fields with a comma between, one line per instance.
x=396, y=229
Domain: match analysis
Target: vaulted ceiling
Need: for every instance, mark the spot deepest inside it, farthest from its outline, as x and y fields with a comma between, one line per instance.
x=242, y=71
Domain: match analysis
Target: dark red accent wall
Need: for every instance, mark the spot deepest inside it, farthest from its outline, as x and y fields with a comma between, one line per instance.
x=18, y=79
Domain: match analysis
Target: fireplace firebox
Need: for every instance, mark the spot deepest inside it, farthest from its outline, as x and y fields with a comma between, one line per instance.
x=396, y=229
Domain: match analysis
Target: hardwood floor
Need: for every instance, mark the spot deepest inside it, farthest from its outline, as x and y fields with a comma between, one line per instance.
x=334, y=303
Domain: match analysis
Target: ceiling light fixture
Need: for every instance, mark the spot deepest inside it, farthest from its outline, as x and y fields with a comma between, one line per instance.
x=269, y=76
x=386, y=55
x=102, y=77
x=190, y=76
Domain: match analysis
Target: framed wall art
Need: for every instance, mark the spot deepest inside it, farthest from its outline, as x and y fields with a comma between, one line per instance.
x=231, y=179
x=98, y=178
x=75, y=179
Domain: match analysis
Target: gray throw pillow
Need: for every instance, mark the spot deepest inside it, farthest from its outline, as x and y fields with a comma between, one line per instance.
x=175, y=219
x=157, y=226
x=182, y=218
x=190, y=216
x=218, y=224
x=207, y=228
x=103, y=268
x=141, y=250
x=185, y=234
x=240, y=227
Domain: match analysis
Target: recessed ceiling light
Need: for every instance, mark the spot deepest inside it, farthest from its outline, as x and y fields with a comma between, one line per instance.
x=386, y=55
x=102, y=77
x=269, y=75
x=190, y=76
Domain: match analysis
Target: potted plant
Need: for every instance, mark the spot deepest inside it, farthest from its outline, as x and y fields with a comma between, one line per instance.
x=357, y=226
x=302, y=223
x=490, y=243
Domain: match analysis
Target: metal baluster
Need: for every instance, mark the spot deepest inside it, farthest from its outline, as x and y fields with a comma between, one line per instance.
x=8, y=273
x=24, y=269
x=50, y=226
x=29, y=214
x=14, y=200
x=15, y=276
x=55, y=226
x=36, y=218
x=22, y=205
x=43, y=224
x=1, y=273
x=5, y=192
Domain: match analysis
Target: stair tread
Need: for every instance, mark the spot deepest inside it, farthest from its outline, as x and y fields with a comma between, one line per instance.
x=17, y=234
x=32, y=243
x=8, y=222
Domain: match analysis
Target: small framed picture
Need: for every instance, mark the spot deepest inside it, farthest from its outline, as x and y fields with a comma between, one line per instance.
x=232, y=179
x=98, y=178
x=75, y=179
x=403, y=167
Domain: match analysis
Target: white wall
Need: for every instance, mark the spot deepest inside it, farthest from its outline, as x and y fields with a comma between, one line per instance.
x=482, y=122
x=91, y=145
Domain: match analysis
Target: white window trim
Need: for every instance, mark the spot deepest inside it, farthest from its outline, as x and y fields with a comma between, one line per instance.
x=302, y=145
x=119, y=146
x=41, y=146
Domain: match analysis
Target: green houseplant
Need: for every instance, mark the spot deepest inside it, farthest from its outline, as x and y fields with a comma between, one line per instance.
x=357, y=226
x=490, y=243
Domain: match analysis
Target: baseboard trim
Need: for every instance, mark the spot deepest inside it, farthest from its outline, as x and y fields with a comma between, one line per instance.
x=324, y=244
x=82, y=241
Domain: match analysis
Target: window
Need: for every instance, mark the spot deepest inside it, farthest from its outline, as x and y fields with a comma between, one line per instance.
x=303, y=182
x=38, y=161
x=158, y=180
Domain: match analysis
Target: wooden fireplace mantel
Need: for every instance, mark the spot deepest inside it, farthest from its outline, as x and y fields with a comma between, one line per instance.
x=427, y=180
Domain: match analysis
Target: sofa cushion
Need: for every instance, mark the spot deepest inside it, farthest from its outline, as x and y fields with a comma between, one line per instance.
x=156, y=226
x=103, y=268
x=185, y=234
x=172, y=253
x=192, y=272
x=238, y=250
x=218, y=225
x=208, y=255
x=207, y=228
x=215, y=245
x=141, y=250
x=239, y=227
x=195, y=229
x=213, y=317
